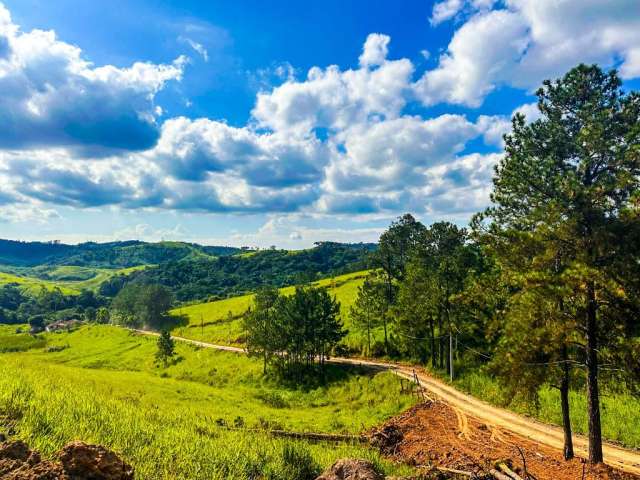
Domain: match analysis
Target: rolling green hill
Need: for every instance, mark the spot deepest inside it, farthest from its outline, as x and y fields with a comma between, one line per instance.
x=69, y=279
x=190, y=271
x=34, y=284
x=221, y=321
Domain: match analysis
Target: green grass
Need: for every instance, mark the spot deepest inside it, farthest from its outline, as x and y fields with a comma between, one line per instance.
x=220, y=321
x=20, y=342
x=11, y=341
x=99, y=276
x=68, y=278
x=10, y=329
x=32, y=284
x=620, y=412
x=100, y=384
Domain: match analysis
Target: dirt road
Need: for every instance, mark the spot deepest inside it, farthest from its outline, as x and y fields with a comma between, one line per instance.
x=617, y=457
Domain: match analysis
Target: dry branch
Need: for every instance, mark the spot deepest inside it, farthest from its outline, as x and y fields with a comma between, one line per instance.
x=505, y=468
x=313, y=436
x=499, y=475
x=324, y=437
x=457, y=472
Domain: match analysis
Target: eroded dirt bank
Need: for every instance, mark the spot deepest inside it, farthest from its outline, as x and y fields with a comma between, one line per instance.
x=434, y=434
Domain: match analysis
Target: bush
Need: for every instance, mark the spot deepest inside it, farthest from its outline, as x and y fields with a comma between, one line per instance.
x=56, y=348
x=273, y=399
x=297, y=463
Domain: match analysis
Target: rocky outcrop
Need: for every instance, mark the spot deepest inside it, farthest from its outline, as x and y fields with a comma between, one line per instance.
x=76, y=461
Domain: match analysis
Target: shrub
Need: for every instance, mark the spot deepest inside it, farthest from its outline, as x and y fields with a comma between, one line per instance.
x=298, y=463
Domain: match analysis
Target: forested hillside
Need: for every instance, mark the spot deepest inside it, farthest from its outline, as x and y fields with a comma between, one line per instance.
x=48, y=292
x=204, y=278
x=111, y=255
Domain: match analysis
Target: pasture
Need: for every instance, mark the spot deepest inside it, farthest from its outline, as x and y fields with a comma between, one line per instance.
x=195, y=419
x=220, y=321
x=69, y=279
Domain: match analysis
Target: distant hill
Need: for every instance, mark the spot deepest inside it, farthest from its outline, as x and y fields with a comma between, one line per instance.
x=106, y=255
x=193, y=272
x=201, y=278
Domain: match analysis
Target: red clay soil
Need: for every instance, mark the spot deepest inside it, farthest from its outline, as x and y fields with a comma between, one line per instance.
x=434, y=434
x=76, y=461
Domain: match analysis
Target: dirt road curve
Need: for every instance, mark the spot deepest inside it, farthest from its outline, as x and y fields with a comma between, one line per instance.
x=617, y=457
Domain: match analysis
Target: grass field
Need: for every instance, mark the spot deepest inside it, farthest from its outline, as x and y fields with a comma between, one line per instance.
x=70, y=279
x=34, y=284
x=220, y=321
x=100, y=384
x=11, y=341
x=620, y=412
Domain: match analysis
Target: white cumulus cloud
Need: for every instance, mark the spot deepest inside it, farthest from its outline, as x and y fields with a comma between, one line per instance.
x=375, y=50
x=528, y=41
x=53, y=96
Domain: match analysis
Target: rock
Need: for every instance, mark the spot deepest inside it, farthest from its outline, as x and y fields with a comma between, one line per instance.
x=351, y=469
x=93, y=462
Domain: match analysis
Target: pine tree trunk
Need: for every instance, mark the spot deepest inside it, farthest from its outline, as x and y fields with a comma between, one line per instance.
x=593, y=394
x=433, y=343
x=440, y=341
x=388, y=306
x=450, y=353
x=449, y=350
x=564, y=401
x=386, y=345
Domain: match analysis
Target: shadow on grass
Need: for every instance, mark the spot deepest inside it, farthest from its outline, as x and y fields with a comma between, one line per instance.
x=308, y=378
x=169, y=322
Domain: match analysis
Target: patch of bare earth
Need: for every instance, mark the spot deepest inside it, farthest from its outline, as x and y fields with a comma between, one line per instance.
x=76, y=461
x=434, y=435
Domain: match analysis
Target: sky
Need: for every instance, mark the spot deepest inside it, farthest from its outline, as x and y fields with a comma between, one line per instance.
x=274, y=123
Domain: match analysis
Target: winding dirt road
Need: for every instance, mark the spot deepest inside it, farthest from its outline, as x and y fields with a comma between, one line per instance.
x=552, y=436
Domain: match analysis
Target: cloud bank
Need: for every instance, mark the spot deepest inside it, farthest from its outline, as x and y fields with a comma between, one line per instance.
x=334, y=142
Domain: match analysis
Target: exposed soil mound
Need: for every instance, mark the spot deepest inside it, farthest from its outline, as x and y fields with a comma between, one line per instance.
x=435, y=435
x=351, y=469
x=93, y=461
x=76, y=461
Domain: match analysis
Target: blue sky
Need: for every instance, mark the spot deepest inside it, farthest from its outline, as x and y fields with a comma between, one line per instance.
x=248, y=123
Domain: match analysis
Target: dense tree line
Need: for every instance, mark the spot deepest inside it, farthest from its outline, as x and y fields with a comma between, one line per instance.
x=110, y=255
x=293, y=333
x=543, y=288
x=214, y=278
x=47, y=305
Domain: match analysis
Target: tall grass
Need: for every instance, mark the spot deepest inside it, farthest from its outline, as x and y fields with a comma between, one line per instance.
x=20, y=343
x=103, y=387
x=54, y=408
